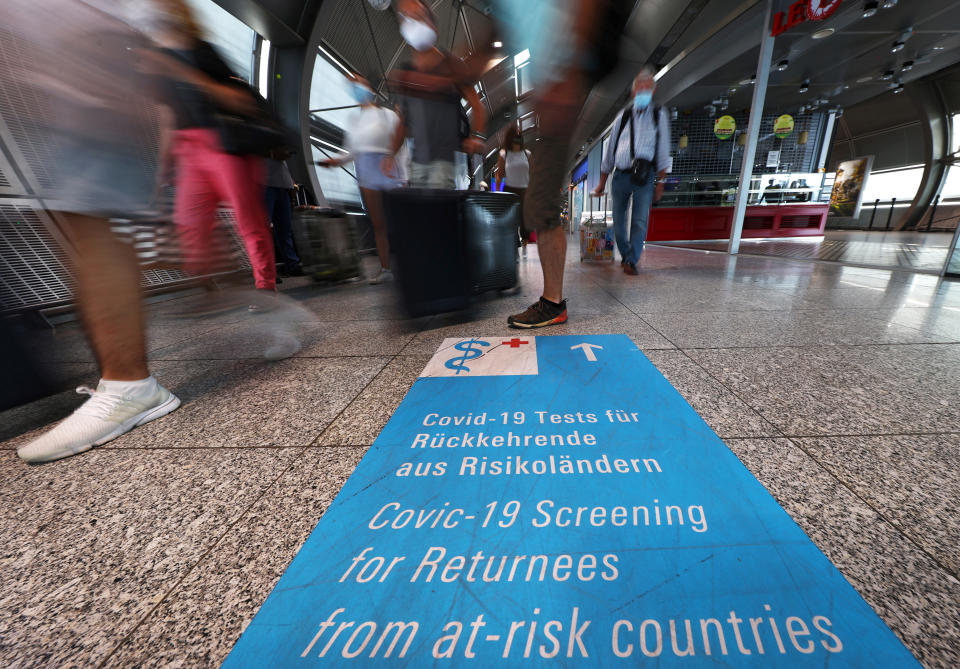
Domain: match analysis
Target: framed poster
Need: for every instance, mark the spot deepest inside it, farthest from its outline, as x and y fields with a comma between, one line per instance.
x=847, y=194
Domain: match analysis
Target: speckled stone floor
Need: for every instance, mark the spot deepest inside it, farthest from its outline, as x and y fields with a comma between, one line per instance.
x=838, y=387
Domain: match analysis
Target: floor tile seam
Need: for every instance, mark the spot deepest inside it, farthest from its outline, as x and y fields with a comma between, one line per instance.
x=353, y=399
x=763, y=418
x=790, y=259
x=911, y=327
x=207, y=329
x=173, y=588
x=845, y=435
x=638, y=316
x=820, y=345
x=815, y=345
x=789, y=310
x=933, y=433
x=908, y=536
x=149, y=449
x=778, y=433
x=368, y=356
x=422, y=329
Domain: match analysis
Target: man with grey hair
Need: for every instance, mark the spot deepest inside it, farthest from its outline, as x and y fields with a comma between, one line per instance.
x=639, y=157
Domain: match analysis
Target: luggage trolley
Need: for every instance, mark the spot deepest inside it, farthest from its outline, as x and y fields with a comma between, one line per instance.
x=596, y=240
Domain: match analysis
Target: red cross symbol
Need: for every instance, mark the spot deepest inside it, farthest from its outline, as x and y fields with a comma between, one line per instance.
x=515, y=343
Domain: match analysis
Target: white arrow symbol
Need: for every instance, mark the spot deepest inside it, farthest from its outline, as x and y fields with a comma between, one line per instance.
x=587, y=350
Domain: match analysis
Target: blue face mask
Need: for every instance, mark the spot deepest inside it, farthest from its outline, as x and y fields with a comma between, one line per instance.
x=362, y=94
x=642, y=100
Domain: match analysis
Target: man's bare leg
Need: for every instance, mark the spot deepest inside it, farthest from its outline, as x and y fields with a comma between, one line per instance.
x=108, y=292
x=552, y=246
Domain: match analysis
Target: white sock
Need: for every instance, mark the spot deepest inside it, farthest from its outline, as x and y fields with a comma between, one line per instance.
x=129, y=388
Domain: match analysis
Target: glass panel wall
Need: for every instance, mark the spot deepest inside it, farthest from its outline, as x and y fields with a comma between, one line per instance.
x=234, y=39
x=332, y=105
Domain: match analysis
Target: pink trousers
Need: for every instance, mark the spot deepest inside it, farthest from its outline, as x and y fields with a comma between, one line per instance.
x=206, y=176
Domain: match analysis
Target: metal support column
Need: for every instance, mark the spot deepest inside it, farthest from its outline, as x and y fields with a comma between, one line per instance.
x=827, y=140
x=753, y=132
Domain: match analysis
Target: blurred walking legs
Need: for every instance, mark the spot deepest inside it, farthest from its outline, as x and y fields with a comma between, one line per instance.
x=280, y=213
x=373, y=201
x=108, y=292
x=205, y=176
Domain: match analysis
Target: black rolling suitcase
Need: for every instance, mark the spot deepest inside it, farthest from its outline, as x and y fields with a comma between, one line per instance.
x=448, y=246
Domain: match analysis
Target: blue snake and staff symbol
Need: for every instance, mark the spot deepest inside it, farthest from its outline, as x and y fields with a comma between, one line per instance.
x=469, y=353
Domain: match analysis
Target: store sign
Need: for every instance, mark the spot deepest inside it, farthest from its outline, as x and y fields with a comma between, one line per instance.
x=803, y=10
x=554, y=502
x=783, y=126
x=724, y=127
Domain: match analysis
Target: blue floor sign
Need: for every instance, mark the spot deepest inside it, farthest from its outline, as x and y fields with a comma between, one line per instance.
x=553, y=501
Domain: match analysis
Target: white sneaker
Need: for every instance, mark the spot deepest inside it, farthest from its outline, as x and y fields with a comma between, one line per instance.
x=103, y=417
x=383, y=276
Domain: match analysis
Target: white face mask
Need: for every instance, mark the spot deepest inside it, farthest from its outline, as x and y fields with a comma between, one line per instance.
x=417, y=34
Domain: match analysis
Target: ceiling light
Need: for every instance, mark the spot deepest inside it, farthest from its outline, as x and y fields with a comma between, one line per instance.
x=805, y=86
x=863, y=80
x=888, y=4
x=939, y=48
x=887, y=76
x=907, y=65
x=823, y=32
x=897, y=46
x=497, y=45
x=898, y=88
x=870, y=8
x=783, y=65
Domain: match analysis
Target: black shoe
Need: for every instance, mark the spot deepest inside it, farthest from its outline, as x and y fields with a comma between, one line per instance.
x=540, y=314
x=631, y=269
x=296, y=270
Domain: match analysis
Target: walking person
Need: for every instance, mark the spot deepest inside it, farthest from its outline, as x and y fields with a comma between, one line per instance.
x=430, y=87
x=205, y=173
x=573, y=45
x=91, y=136
x=639, y=157
x=373, y=132
x=513, y=170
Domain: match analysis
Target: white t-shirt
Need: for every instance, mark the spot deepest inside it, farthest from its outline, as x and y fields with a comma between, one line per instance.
x=371, y=130
x=517, y=168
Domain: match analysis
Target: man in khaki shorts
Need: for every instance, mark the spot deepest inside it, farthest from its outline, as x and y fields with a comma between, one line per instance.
x=595, y=26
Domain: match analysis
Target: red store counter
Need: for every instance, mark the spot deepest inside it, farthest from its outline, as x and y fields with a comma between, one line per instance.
x=670, y=224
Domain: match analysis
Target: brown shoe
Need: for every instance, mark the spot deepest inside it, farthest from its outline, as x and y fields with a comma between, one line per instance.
x=539, y=314
x=631, y=269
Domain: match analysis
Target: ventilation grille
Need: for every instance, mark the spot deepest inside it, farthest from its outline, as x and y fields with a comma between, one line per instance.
x=33, y=266
x=22, y=111
x=800, y=222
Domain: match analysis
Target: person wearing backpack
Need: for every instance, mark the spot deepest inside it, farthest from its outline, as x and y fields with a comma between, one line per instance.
x=639, y=157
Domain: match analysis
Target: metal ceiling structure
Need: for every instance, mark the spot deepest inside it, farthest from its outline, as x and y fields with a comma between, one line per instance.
x=708, y=48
